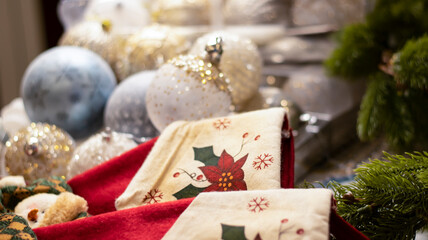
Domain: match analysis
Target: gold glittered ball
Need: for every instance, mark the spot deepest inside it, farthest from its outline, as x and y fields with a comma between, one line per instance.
x=149, y=49
x=181, y=12
x=39, y=151
x=240, y=62
x=95, y=36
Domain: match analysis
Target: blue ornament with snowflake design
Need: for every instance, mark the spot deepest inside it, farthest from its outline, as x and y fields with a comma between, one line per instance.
x=68, y=87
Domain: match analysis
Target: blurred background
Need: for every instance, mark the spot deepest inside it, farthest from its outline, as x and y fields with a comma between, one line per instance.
x=27, y=28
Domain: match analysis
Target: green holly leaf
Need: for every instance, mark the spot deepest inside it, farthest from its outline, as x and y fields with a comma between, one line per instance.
x=206, y=155
x=232, y=232
x=188, y=192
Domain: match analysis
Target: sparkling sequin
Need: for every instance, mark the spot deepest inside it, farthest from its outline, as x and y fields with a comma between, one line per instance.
x=202, y=70
x=39, y=151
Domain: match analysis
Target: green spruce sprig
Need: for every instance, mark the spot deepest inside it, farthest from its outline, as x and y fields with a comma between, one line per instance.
x=389, y=197
x=396, y=100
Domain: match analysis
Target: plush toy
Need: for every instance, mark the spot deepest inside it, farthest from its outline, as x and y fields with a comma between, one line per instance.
x=45, y=209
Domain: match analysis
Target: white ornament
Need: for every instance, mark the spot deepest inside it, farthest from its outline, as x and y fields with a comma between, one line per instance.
x=240, y=62
x=14, y=116
x=98, y=149
x=187, y=88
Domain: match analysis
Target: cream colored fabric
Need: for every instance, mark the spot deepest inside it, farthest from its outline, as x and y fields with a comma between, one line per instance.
x=281, y=214
x=171, y=165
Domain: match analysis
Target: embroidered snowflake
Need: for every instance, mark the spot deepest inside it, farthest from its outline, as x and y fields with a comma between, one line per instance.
x=222, y=124
x=153, y=196
x=262, y=161
x=258, y=204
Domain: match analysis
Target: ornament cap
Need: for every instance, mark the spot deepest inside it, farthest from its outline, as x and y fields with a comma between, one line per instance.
x=214, y=49
x=106, y=24
x=107, y=134
x=31, y=148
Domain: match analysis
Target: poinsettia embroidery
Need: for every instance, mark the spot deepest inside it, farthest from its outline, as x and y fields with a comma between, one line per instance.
x=227, y=175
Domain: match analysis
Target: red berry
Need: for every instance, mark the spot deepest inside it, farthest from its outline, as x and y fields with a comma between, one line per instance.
x=245, y=135
x=257, y=138
x=176, y=174
x=285, y=220
x=300, y=231
x=199, y=177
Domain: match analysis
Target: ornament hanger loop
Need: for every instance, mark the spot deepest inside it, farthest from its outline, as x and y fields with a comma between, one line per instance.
x=214, y=50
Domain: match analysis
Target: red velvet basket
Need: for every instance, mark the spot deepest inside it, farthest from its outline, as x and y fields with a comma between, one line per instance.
x=101, y=185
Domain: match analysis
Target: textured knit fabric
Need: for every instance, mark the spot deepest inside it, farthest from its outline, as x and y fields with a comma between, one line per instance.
x=14, y=227
x=12, y=195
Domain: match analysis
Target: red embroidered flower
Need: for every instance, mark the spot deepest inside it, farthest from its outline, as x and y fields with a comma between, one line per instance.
x=227, y=175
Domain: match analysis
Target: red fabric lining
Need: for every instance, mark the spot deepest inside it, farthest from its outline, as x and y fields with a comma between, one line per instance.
x=101, y=185
x=341, y=229
x=146, y=222
x=287, y=156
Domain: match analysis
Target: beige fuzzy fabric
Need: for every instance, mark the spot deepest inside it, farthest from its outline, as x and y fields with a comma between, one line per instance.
x=292, y=214
x=66, y=208
x=172, y=167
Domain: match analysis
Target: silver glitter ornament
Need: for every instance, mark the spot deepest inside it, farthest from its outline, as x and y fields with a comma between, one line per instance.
x=98, y=149
x=187, y=88
x=70, y=12
x=126, y=108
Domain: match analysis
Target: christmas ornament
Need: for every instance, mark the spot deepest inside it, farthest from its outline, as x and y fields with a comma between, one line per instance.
x=95, y=36
x=149, y=49
x=336, y=12
x=126, y=16
x=270, y=97
x=256, y=11
x=39, y=151
x=126, y=108
x=181, y=12
x=240, y=62
x=187, y=88
x=68, y=86
x=298, y=49
x=14, y=116
x=70, y=12
x=3, y=134
x=98, y=149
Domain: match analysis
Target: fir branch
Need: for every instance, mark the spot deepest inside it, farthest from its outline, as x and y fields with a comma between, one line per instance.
x=411, y=64
x=358, y=54
x=396, y=21
x=383, y=109
x=389, y=198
